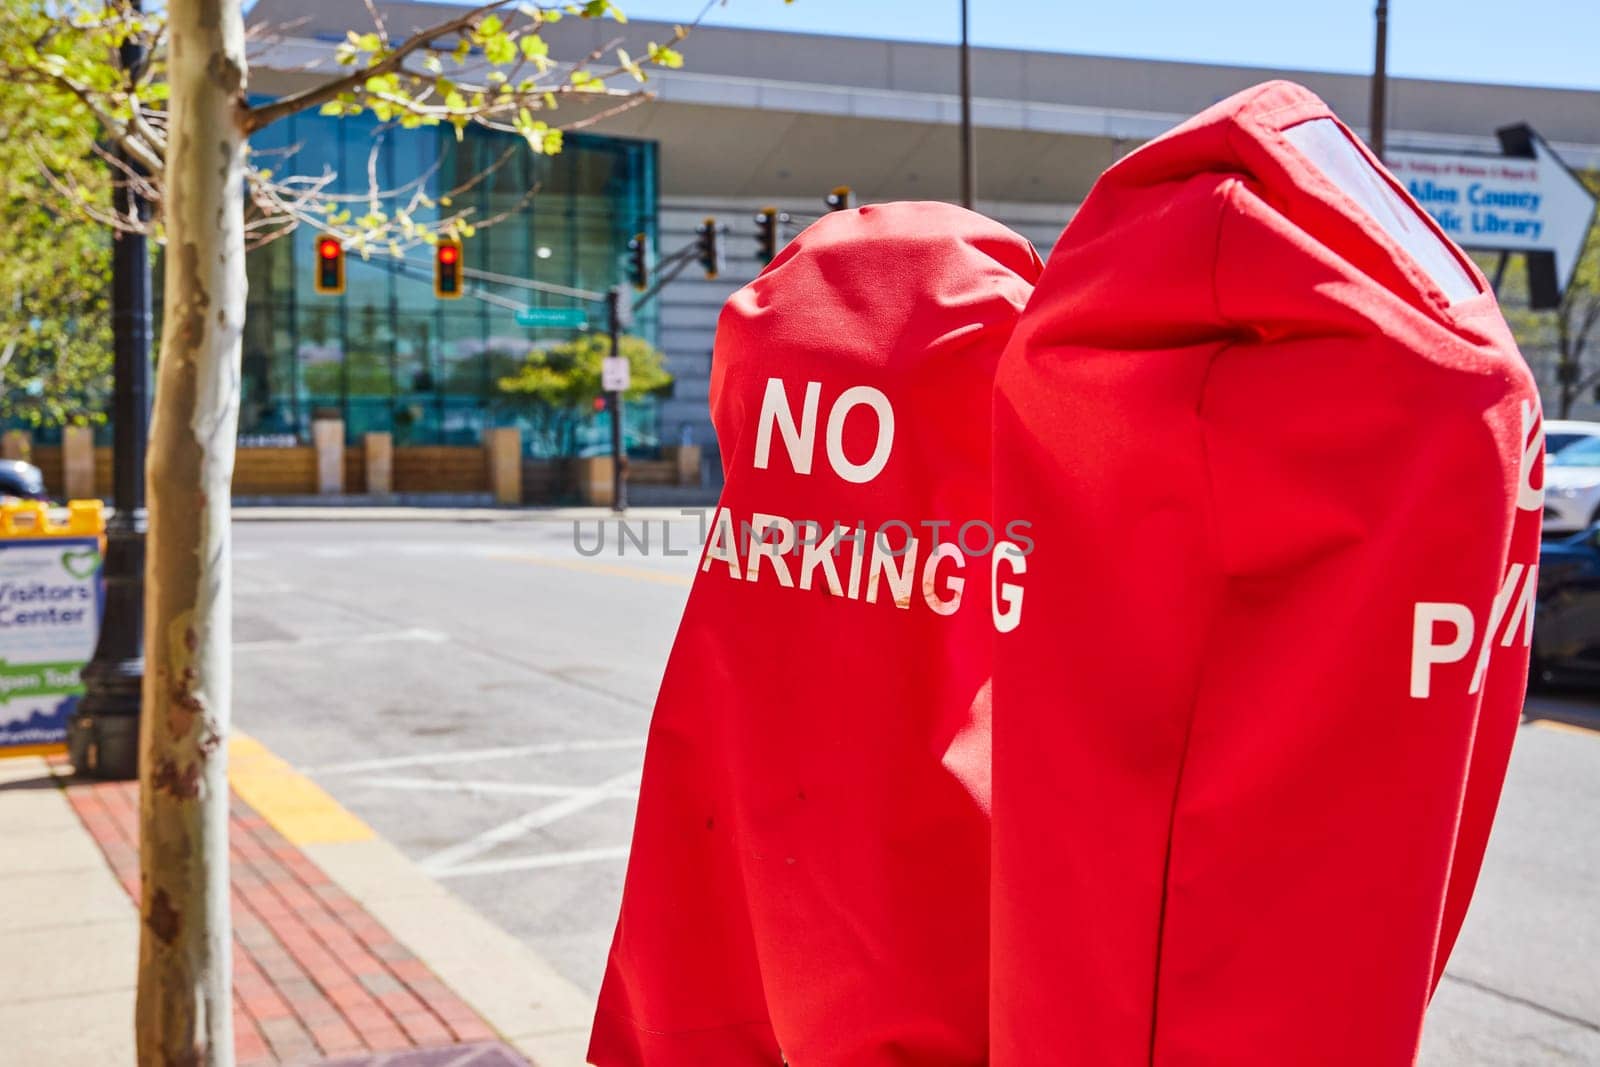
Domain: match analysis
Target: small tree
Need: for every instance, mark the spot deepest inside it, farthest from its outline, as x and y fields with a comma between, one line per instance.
x=54, y=368
x=1571, y=330
x=567, y=375
x=184, y=119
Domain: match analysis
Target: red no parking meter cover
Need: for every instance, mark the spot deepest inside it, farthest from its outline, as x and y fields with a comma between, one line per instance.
x=1282, y=463
x=809, y=870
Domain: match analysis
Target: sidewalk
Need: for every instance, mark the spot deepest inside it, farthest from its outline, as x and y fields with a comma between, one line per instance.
x=344, y=953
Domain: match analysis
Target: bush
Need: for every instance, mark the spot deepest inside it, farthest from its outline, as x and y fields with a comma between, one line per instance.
x=567, y=375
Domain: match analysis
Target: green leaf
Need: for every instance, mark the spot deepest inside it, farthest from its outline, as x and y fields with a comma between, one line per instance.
x=626, y=62
x=663, y=56
x=500, y=49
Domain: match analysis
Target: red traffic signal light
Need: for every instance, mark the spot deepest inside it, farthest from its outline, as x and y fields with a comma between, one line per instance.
x=329, y=276
x=447, y=270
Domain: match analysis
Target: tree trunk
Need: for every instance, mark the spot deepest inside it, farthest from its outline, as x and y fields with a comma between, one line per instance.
x=184, y=1014
x=1567, y=369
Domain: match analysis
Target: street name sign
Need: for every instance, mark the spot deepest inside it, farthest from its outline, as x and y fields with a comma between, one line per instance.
x=560, y=318
x=1525, y=200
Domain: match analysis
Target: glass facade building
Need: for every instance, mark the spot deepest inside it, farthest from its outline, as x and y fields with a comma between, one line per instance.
x=387, y=354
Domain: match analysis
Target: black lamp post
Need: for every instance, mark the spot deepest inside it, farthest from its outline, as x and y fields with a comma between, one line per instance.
x=103, y=733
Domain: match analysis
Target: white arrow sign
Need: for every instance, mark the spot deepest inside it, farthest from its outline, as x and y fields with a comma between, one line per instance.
x=1528, y=202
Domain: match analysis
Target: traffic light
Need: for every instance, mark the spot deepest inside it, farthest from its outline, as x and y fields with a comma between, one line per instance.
x=330, y=266
x=769, y=232
x=839, y=199
x=709, y=243
x=639, y=261
x=447, y=270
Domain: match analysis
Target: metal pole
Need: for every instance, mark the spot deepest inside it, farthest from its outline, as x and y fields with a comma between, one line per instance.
x=619, y=459
x=969, y=155
x=1380, y=80
x=103, y=735
x=1499, y=272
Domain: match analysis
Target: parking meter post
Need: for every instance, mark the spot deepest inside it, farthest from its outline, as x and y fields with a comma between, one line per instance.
x=619, y=459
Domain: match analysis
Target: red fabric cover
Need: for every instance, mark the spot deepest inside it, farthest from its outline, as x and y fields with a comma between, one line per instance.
x=1251, y=437
x=810, y=862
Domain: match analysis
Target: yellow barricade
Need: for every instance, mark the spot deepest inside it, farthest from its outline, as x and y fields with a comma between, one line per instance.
x=32, y=519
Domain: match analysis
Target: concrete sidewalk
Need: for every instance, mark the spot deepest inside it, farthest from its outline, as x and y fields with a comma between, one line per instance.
x=343, y=951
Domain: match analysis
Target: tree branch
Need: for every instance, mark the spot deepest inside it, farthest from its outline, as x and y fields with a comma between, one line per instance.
x=256, y=117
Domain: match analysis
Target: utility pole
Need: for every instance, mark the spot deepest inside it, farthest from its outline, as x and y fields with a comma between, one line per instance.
x=1380, y=81
x=969, y=156
x=103, y=736
x=619, y=458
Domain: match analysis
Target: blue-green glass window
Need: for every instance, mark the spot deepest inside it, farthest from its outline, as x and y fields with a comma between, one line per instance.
x=387, y=354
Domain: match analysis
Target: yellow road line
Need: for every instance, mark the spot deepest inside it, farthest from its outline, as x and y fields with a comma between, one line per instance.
x=615, y=570
x=1567, y=727
x=295, y=805
x=33, y=750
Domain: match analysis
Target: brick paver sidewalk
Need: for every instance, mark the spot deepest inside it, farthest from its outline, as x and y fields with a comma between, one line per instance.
x=315, y=976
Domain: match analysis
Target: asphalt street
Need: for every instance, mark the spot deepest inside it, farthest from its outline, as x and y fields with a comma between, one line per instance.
x=479, y=692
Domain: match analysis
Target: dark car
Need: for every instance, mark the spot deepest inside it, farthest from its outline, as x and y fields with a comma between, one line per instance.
x=19, y=479
x=1566, y=627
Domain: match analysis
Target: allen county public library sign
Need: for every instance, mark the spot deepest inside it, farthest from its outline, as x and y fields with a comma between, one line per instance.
x=1525, y=200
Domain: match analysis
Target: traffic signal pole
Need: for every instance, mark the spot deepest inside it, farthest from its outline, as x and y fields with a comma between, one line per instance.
x=1378, y=117
x=969, y=152
x=619, y=457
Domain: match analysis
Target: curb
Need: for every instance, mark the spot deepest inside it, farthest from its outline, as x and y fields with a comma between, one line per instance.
x=541, y=1014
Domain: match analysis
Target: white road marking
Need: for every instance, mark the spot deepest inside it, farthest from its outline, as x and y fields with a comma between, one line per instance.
x=530, y=863
x=429, y=636
x=522, y=825
x=483, y=788
x=473, y=755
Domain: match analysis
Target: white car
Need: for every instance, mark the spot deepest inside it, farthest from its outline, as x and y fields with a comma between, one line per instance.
x=1559, y=433
x=1571, y=479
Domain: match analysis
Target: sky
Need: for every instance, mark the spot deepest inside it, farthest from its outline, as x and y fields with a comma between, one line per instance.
x=1526, y=42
